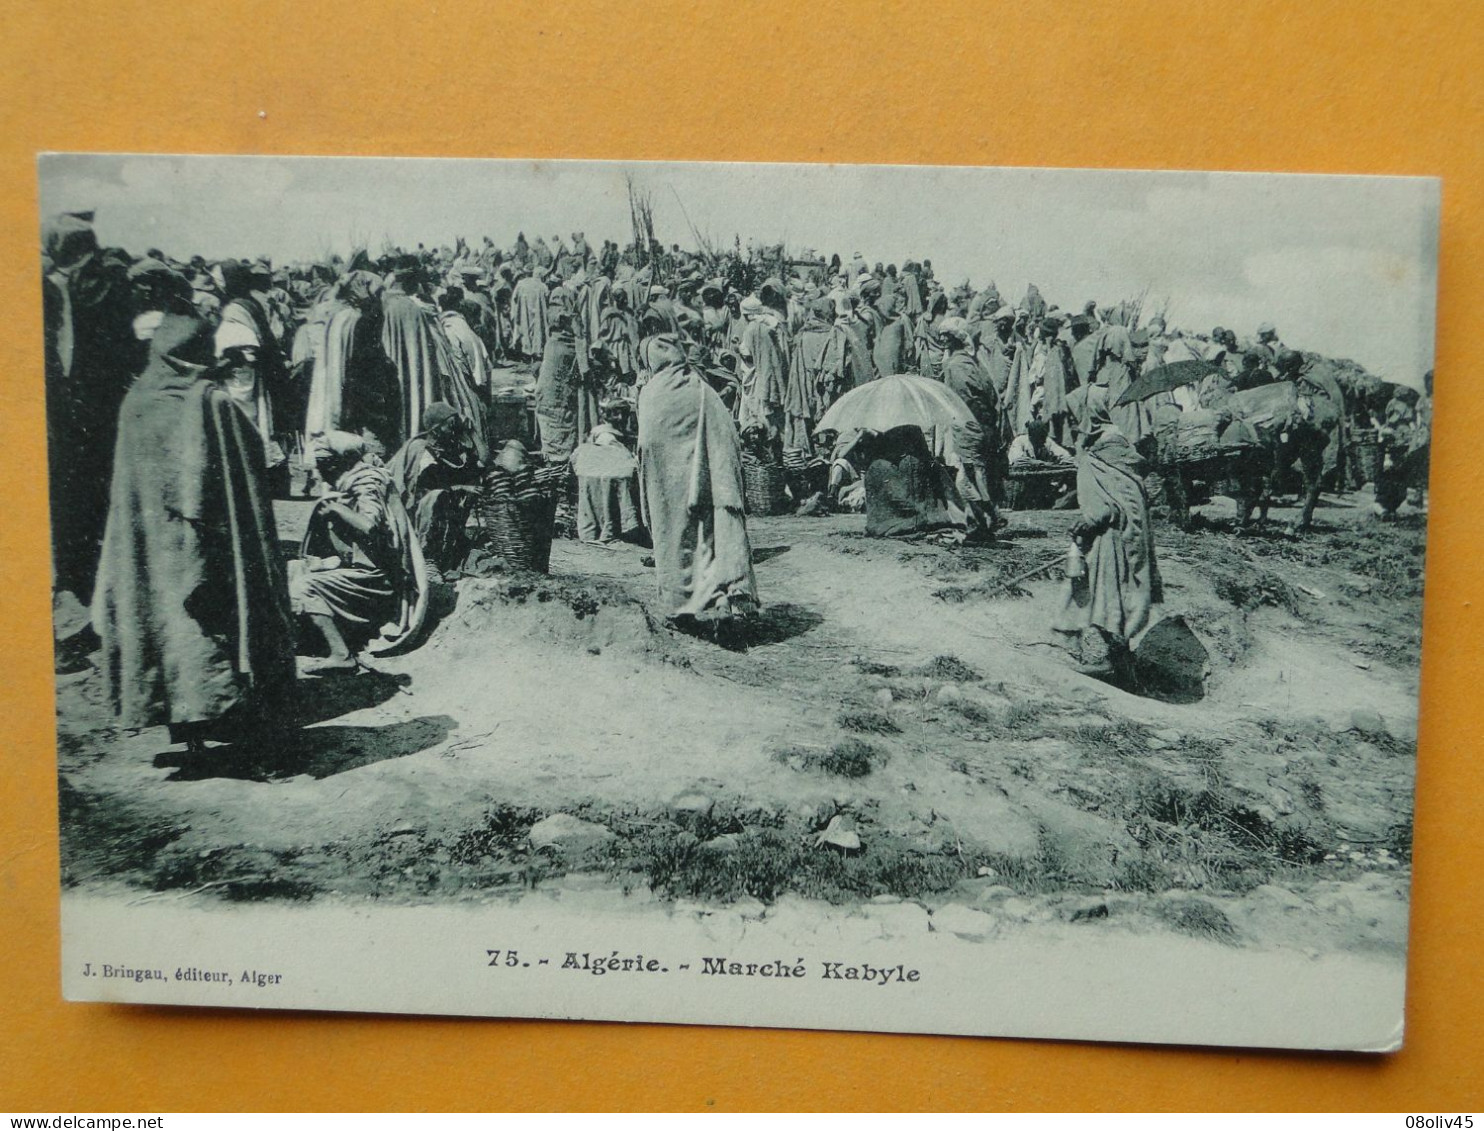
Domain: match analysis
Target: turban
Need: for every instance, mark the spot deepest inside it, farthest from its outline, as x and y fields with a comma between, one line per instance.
x=337, y=443
x=150, y=267
x=437, y=414
x=1267, y=328
x=1003, y=314
x=954, y=327
x=233, y=277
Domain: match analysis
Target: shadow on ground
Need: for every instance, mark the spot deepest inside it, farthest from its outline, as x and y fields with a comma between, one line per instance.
x=773, y=625
x=319, y=751
x=766, y=553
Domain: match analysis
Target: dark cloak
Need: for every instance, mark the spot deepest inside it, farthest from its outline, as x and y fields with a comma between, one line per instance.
x=192, y=606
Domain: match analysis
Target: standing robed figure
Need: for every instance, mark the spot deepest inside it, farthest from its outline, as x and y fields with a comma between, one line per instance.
x=192, y=603
x=691, y=494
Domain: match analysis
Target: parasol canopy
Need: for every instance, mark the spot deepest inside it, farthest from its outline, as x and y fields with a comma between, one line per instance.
x=1165, y=378
x=890, y=402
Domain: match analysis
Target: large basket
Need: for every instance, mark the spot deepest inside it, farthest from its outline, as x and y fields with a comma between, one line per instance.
x=764, y=485
x=518, y=510
x=1036, y=488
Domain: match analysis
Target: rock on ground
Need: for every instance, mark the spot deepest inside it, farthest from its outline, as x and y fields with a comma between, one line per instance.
x=564, y=831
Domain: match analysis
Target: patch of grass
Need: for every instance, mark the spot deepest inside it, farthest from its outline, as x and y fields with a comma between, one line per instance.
x=1389, y=558
x=1141, y=872
x=1024, y=715
x=974, y=712
x=1206, y=837
x=1310, y=790
x=851, y=757
x=1399, y=841
x=950, y=669
x=871, y=667
x=1197, y=917
x=867, y=722
x=1117, y=740
x=504, y=830
x=767, y=863
x=1254, y=588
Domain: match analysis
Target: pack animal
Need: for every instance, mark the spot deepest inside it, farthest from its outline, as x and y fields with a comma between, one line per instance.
x=1275, y=428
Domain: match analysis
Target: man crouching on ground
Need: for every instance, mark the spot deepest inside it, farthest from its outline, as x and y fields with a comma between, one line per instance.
x=361, y=570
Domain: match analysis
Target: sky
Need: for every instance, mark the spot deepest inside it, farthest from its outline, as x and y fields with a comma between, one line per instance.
x=1346, y=266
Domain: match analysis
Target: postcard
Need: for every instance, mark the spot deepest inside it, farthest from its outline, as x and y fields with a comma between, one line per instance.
x=947, y=600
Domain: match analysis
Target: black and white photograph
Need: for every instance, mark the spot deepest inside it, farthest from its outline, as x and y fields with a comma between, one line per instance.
x=924, y=599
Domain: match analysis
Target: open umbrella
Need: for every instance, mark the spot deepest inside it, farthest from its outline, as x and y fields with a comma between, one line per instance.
x=890, y=402
x=1165, y=378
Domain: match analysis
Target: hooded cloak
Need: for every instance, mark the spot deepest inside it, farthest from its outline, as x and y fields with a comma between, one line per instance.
x=192, y=605
x=690, y=483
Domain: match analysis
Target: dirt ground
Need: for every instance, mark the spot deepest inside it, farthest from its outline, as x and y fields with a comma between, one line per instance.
x=899, y=728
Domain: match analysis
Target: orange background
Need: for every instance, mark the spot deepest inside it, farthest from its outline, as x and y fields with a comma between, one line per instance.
x=1336, y=86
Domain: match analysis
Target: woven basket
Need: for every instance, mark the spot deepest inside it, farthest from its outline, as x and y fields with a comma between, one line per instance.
x=764, y=485
x=1022, y=487
x=518, y=509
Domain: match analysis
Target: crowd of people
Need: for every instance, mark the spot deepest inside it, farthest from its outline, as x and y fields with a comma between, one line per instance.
x=183, y=396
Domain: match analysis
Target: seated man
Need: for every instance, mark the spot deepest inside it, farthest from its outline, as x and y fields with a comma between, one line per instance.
x=361, y=569
x=607, y=489
x=1040, y=469
x=437, y=477
x=1036, y=447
